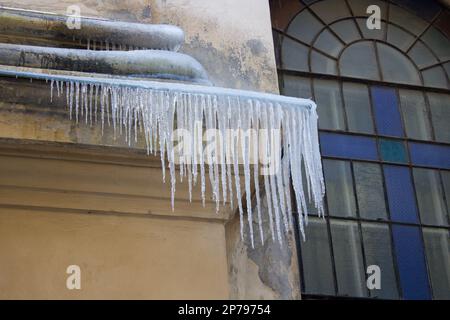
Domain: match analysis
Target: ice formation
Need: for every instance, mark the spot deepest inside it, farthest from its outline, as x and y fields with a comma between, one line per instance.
x=160, y=112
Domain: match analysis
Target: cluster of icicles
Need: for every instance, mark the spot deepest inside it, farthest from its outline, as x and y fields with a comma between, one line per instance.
x=155, y=113
x=109, y=46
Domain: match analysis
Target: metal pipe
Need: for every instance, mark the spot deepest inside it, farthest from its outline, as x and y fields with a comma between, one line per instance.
x=141, y=63
x=48, y=26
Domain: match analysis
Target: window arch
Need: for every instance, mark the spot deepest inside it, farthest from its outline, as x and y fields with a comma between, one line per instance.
x=383, y=100
x=323, y=30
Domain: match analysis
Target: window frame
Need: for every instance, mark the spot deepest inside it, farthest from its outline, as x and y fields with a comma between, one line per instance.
x=340, y=80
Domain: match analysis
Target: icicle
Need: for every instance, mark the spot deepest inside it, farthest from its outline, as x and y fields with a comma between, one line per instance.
x=52, y=82
x=255, y=143
x=249, y=126
x=58, y=93
x=236, y=124
x=245, y=147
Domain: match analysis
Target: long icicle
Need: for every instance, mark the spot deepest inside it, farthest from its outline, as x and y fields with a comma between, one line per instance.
x=155, y=114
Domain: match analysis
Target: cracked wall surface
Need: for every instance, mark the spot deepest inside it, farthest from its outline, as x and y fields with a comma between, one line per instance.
x=232, y=39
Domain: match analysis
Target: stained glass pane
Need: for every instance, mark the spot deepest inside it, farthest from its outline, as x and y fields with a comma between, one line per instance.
x=440, y=114
x=445, y=175
x=447, y=69
x=304, y=27
x=399, y=38
x=359, y=7
x=415, y=115
x=411, y=262
x=400, y=193
x=407, y=20
x=393, y=151
x=357, y=106
x=350, y=271
x=430, y=155
x=339, y=185
x=322, y=64
x=370, y=191
x=347, y=146
x=438, y=43
x=421, y=55
x=316, y=259
x=437, y=248
x=430, y=197
x=296, y=86
x=346, y=30
x=328, y=97
x=387, y=114
x=328, y=43
x=331, y=10
x=396, y=67
x=378, y=252
x=358, y=55
x=294, y=56
x=377, y=34
x=435, y=77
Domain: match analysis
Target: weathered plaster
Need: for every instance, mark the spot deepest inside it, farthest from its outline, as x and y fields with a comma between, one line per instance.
x=268, y=271
x=233, y=41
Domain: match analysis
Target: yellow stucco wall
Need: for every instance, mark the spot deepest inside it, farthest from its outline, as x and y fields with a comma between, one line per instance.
x=108, y=213
x=69, y=195
x=121, y=257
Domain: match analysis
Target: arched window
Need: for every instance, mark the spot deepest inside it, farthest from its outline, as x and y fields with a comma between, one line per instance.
x=383, y=99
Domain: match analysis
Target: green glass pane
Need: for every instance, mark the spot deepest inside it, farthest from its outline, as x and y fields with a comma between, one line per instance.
x=357, y=55
x=304, y=27
x=399, y=38
x=359, y=7
x=370, y=191
x=446, y=182
x=437, y=248
x=331, y=10
x=294, y=86
x=438, y=43
x=396, y=67
x=339, y=185
x=415, y=115
x=329, y=104
x=409, y=21
x=421, y=55
x=393, y=151
x=346, y=30
x=294, y=56
x=378, y=251
x=435, y=77
x=440, y=114
x=430, y=197
x=328, y=43
x=371, y=33
x=357, y=105
x=348, y=259
x=322, y=64
x=316, y=259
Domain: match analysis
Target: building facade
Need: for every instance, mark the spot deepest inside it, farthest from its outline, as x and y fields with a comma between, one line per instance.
x=384, y=113
x=70, y=195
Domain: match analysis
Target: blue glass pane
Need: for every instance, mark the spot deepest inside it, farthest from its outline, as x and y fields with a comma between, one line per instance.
x=393, y=151
x=348, y=146
x=402, y=204
x=387, y=115
x=411, y=262
x=430, y=155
